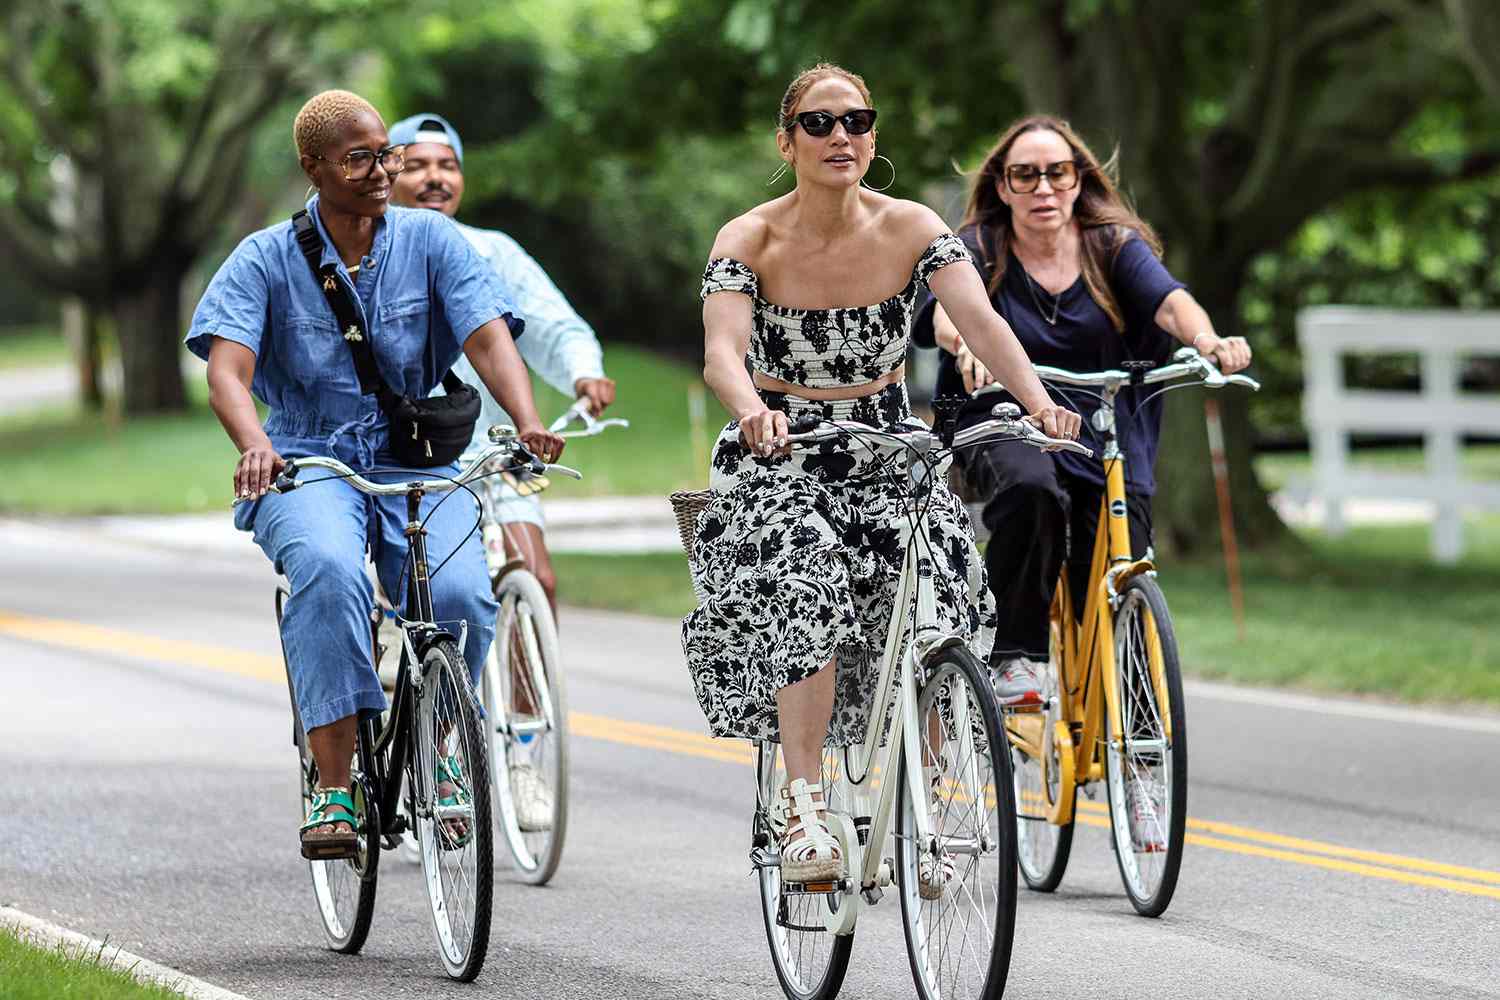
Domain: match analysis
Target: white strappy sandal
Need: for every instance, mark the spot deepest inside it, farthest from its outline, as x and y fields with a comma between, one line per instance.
x=816, y=856
x=934, y=873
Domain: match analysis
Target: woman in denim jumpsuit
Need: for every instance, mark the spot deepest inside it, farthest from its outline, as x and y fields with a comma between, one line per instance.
x=265, y=327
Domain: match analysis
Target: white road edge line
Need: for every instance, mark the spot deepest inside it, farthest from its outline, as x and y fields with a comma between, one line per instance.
x=50, y=935
x=1272, y=698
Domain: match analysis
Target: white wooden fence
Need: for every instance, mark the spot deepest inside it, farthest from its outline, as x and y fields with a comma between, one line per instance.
x=1438, y=411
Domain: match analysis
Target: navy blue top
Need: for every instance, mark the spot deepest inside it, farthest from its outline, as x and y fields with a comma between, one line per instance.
x=421, y=290
x=1083, y=340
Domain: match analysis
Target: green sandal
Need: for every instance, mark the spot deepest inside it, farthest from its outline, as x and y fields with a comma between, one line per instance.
x=320, y=842
x=454, y=833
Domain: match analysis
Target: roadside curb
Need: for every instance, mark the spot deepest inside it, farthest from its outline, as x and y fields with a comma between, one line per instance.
x=41, y=932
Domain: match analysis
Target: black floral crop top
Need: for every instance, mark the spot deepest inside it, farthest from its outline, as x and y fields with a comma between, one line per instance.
x=830, y=348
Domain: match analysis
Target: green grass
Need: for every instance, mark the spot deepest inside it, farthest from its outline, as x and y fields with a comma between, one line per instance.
x=1476, y=461
x=32, y=347
x=1367, y=613
x=655, y=455
x=62, y=460
x=28, y=972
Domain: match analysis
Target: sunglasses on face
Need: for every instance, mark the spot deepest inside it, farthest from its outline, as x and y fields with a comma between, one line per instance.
x=819, y=124
x=358, y=164
x=1023, y=178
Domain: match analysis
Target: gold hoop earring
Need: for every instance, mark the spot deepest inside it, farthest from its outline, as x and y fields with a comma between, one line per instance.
x=888, y=183
x=308, y=194
x=780, y=171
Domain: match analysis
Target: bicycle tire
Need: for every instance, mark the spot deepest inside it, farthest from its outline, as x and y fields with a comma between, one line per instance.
x=344, y=889
x=976, y=775
x=1143, y=612
x=462, y=853
x=1042, y=848
x=810, y=961
x=525, y=626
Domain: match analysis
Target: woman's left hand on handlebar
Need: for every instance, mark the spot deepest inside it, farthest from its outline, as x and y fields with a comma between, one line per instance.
x=543, y=443
x=1232, y=354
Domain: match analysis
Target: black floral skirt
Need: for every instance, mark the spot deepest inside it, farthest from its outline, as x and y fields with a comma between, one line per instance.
x=800, y=558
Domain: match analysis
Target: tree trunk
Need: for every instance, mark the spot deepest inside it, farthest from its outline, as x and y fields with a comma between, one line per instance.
x=1185, y=510
x=80, y=324
x=148, y=326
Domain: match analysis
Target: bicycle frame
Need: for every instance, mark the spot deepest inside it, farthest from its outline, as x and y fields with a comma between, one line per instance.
x=1085, y=644
x=893, y=724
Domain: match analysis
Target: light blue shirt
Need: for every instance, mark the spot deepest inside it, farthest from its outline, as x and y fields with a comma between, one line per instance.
x=559, y=346
x=421, y=290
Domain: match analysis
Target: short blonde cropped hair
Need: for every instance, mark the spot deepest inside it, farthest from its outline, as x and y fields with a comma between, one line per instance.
x=320, y=119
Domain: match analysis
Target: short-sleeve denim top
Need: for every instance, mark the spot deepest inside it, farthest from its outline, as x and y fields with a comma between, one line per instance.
x=829, y=348
x=421, y=290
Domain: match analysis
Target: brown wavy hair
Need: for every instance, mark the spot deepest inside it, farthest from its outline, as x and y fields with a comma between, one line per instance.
x=1104, y=218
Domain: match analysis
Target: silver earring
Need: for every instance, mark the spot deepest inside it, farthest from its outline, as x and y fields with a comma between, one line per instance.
x=780, y=171
x=888, y=183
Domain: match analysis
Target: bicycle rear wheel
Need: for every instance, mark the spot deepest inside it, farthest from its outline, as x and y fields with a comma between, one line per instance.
x=809, y=959
x=454, y=827
x=344, y=889
x=959, y=929
x=1042, y=848
x=524, y=671
x=1146, y=763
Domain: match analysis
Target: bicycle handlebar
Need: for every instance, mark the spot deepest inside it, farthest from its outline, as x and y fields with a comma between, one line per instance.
x=1186, y=362
x=1007, y=423
x=506, y=446
x=581, y=411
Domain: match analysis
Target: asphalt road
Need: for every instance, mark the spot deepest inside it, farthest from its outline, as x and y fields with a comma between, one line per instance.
x=149, y=796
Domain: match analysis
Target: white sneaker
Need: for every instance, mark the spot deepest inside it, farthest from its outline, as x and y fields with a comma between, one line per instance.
x=532, y=798
x=1018, y=681
x=1146, y=834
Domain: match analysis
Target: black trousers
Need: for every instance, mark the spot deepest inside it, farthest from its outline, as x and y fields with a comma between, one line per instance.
x=1039, y=517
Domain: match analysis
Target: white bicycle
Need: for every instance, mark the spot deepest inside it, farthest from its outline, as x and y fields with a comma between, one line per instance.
x=521, y=688
x=931, y=776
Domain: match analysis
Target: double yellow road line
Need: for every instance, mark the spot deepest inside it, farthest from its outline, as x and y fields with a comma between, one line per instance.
x=1211, y=834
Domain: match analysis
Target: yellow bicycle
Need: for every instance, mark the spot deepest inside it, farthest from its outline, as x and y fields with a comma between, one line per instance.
x=1112, y=705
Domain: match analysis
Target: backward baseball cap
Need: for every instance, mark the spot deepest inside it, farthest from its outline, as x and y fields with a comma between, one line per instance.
x=427, y=128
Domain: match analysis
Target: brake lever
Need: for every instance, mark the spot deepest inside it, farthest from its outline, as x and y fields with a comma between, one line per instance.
x=285, y=482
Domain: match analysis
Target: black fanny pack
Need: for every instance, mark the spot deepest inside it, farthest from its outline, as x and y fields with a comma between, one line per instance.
x=425, y=431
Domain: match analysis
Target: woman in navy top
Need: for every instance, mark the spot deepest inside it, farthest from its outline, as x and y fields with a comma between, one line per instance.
x=1078, y=276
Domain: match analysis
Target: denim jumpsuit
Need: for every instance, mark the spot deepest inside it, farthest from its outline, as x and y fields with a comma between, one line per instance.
x=422, y=290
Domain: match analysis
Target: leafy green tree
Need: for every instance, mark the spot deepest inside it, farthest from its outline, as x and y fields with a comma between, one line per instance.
x=125, y=127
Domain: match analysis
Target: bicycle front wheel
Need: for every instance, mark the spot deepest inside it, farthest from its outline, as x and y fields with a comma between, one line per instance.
x=345, y=888
x=810, y=960
x=452, y=807
x=1146, y=761
x=958, y=883
x=527, y=727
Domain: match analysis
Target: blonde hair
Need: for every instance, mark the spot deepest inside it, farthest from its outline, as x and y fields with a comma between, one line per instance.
x=1104, y=217
x=320, y=119
x=810, y=76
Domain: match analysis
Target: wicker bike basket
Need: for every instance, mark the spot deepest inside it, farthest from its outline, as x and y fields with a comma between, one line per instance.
x=686, y=506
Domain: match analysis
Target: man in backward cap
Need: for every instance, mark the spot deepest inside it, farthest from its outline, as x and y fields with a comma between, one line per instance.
x=559, y=346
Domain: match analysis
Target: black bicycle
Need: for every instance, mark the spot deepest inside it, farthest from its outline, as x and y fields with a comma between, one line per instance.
x=432, y=735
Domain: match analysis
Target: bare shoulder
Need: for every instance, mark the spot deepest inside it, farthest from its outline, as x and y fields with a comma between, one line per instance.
x=913, y=224
x=743, y=238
